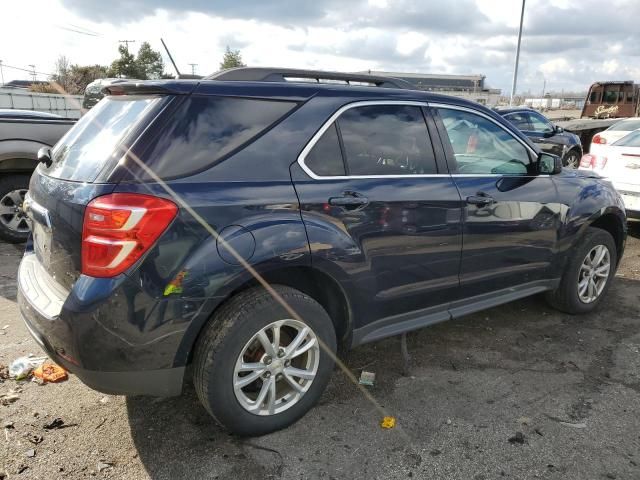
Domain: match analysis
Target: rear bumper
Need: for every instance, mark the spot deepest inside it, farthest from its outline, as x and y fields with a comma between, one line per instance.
x=93, y=339
x=161, y=383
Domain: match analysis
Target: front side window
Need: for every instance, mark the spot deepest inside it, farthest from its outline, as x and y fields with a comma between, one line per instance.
x=594, y=97
x=520, y=121
x=538, y=123
x=482, y=147
x=386, y=140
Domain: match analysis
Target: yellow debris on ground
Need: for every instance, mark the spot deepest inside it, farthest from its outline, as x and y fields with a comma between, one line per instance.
x=388, y=422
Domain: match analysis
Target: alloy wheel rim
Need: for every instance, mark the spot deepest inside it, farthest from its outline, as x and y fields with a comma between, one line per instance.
x=572, y=161
x=594, y=273
x=11, y=214
x=276, y=367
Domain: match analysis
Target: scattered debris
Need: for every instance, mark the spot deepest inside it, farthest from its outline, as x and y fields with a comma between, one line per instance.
x=388, y=422
x=102, y=422
x=36, y=439
x=10, y=397
x=104, y=465
x=574, y=425
x=367, y=378
x=435, y=452
x=524, y=420
x=8, y=425
x=538, y=431
x=21, y=367
x=50, y=372
x=57, y=424
x=517, y=438
x=22, y=468
x=4, y=372
x=448, y=421
x=104, y=400
x=30, y=453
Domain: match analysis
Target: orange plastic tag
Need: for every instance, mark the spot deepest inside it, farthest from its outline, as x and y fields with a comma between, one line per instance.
x=50, y=372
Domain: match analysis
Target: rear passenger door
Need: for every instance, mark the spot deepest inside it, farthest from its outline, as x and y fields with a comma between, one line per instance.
x=380, y=212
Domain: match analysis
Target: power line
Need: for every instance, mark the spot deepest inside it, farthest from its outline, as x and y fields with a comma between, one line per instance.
x=78, y=31
x=29, y=70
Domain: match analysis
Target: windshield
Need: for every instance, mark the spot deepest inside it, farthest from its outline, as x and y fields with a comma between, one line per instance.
x=625, y=125
x=99, y=138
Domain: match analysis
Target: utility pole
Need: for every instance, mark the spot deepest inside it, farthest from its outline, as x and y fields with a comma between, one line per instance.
x=544, y=86
x=33, y=72
x=126, y=43
x=1, y=72
x=515, y=68
x=193, y=68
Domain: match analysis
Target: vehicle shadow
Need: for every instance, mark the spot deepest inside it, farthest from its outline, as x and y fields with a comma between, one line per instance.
x=10, y=255
x=176, y=438
x=634, y=229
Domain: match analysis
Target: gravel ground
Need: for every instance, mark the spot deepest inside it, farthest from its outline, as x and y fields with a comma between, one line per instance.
x=569, y=385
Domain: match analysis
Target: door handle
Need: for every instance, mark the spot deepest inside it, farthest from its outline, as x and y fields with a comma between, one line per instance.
x=481, y=199
x=350, y=201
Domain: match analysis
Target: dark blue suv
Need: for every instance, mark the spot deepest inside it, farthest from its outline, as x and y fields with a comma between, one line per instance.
x=249, y=227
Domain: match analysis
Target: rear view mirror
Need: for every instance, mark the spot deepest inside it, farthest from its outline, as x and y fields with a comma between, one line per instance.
x=550, y=164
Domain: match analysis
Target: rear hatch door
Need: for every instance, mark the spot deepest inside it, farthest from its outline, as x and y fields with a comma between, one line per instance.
x=81, y=169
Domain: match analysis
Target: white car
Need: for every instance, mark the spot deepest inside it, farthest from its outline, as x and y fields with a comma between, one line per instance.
x=620, y=163
x=613, y=133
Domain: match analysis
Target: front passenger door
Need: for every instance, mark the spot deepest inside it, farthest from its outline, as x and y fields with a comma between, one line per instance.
x=510, y=219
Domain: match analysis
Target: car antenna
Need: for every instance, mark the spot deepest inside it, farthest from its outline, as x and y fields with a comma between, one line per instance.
x=170, y=57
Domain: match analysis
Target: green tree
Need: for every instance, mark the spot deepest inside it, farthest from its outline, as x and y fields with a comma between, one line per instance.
x=73, y=79
x=126, y=65
x=231, y=59
x=149, y=62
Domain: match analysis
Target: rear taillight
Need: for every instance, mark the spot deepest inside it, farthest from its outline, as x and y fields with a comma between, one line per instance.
x=593, y=161
x=598, y=139
x=119, y=228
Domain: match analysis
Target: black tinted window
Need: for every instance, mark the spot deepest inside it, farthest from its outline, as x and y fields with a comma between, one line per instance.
x=206, y=129
x=386, y=140
x=325, y=158
x=519, y=120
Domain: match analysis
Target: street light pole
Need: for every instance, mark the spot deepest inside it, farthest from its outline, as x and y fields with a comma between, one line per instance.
x=515, y=68
x=1, y=72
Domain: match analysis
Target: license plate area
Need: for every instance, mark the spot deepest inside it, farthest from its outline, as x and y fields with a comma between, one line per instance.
x=41, y=230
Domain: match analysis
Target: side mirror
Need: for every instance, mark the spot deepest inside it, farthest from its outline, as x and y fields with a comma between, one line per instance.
x=558, y=129
x=44, y=156
x=550, y=164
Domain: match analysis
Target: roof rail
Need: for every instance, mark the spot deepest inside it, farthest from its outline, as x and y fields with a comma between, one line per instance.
x=263, y=74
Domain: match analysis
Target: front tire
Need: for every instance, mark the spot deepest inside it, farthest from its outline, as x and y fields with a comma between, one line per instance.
x=588, y=274
x=571, y=159
x=256, y=369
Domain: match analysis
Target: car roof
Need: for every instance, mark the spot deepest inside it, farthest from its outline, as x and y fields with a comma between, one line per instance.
x=506, y=110
x=16, y=113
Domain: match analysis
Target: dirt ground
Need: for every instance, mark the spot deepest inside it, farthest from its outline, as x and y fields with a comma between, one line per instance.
x=570, y=385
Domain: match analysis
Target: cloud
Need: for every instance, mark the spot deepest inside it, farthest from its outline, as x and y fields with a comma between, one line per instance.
x=568, y=43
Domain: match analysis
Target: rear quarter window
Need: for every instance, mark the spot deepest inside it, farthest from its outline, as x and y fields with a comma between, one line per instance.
x=203, y=131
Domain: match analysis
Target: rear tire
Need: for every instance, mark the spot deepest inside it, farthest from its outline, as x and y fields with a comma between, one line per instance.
x=13, y=223
x=571, y=296
x=230, y=350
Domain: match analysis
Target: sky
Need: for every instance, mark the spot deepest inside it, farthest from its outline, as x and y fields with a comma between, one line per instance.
x=568, y=44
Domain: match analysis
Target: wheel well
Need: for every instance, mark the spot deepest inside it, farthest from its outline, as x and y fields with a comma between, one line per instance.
x=322, y=288
x=612, y=224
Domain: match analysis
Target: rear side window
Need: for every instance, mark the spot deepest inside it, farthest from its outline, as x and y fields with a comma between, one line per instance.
x=631, y=140
x=325, y=158
x=99, y=139
x=386, y=140
x=625, y=126
x=204, y=130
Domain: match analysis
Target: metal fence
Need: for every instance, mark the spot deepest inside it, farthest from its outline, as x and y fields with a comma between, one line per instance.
x=67, y=106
